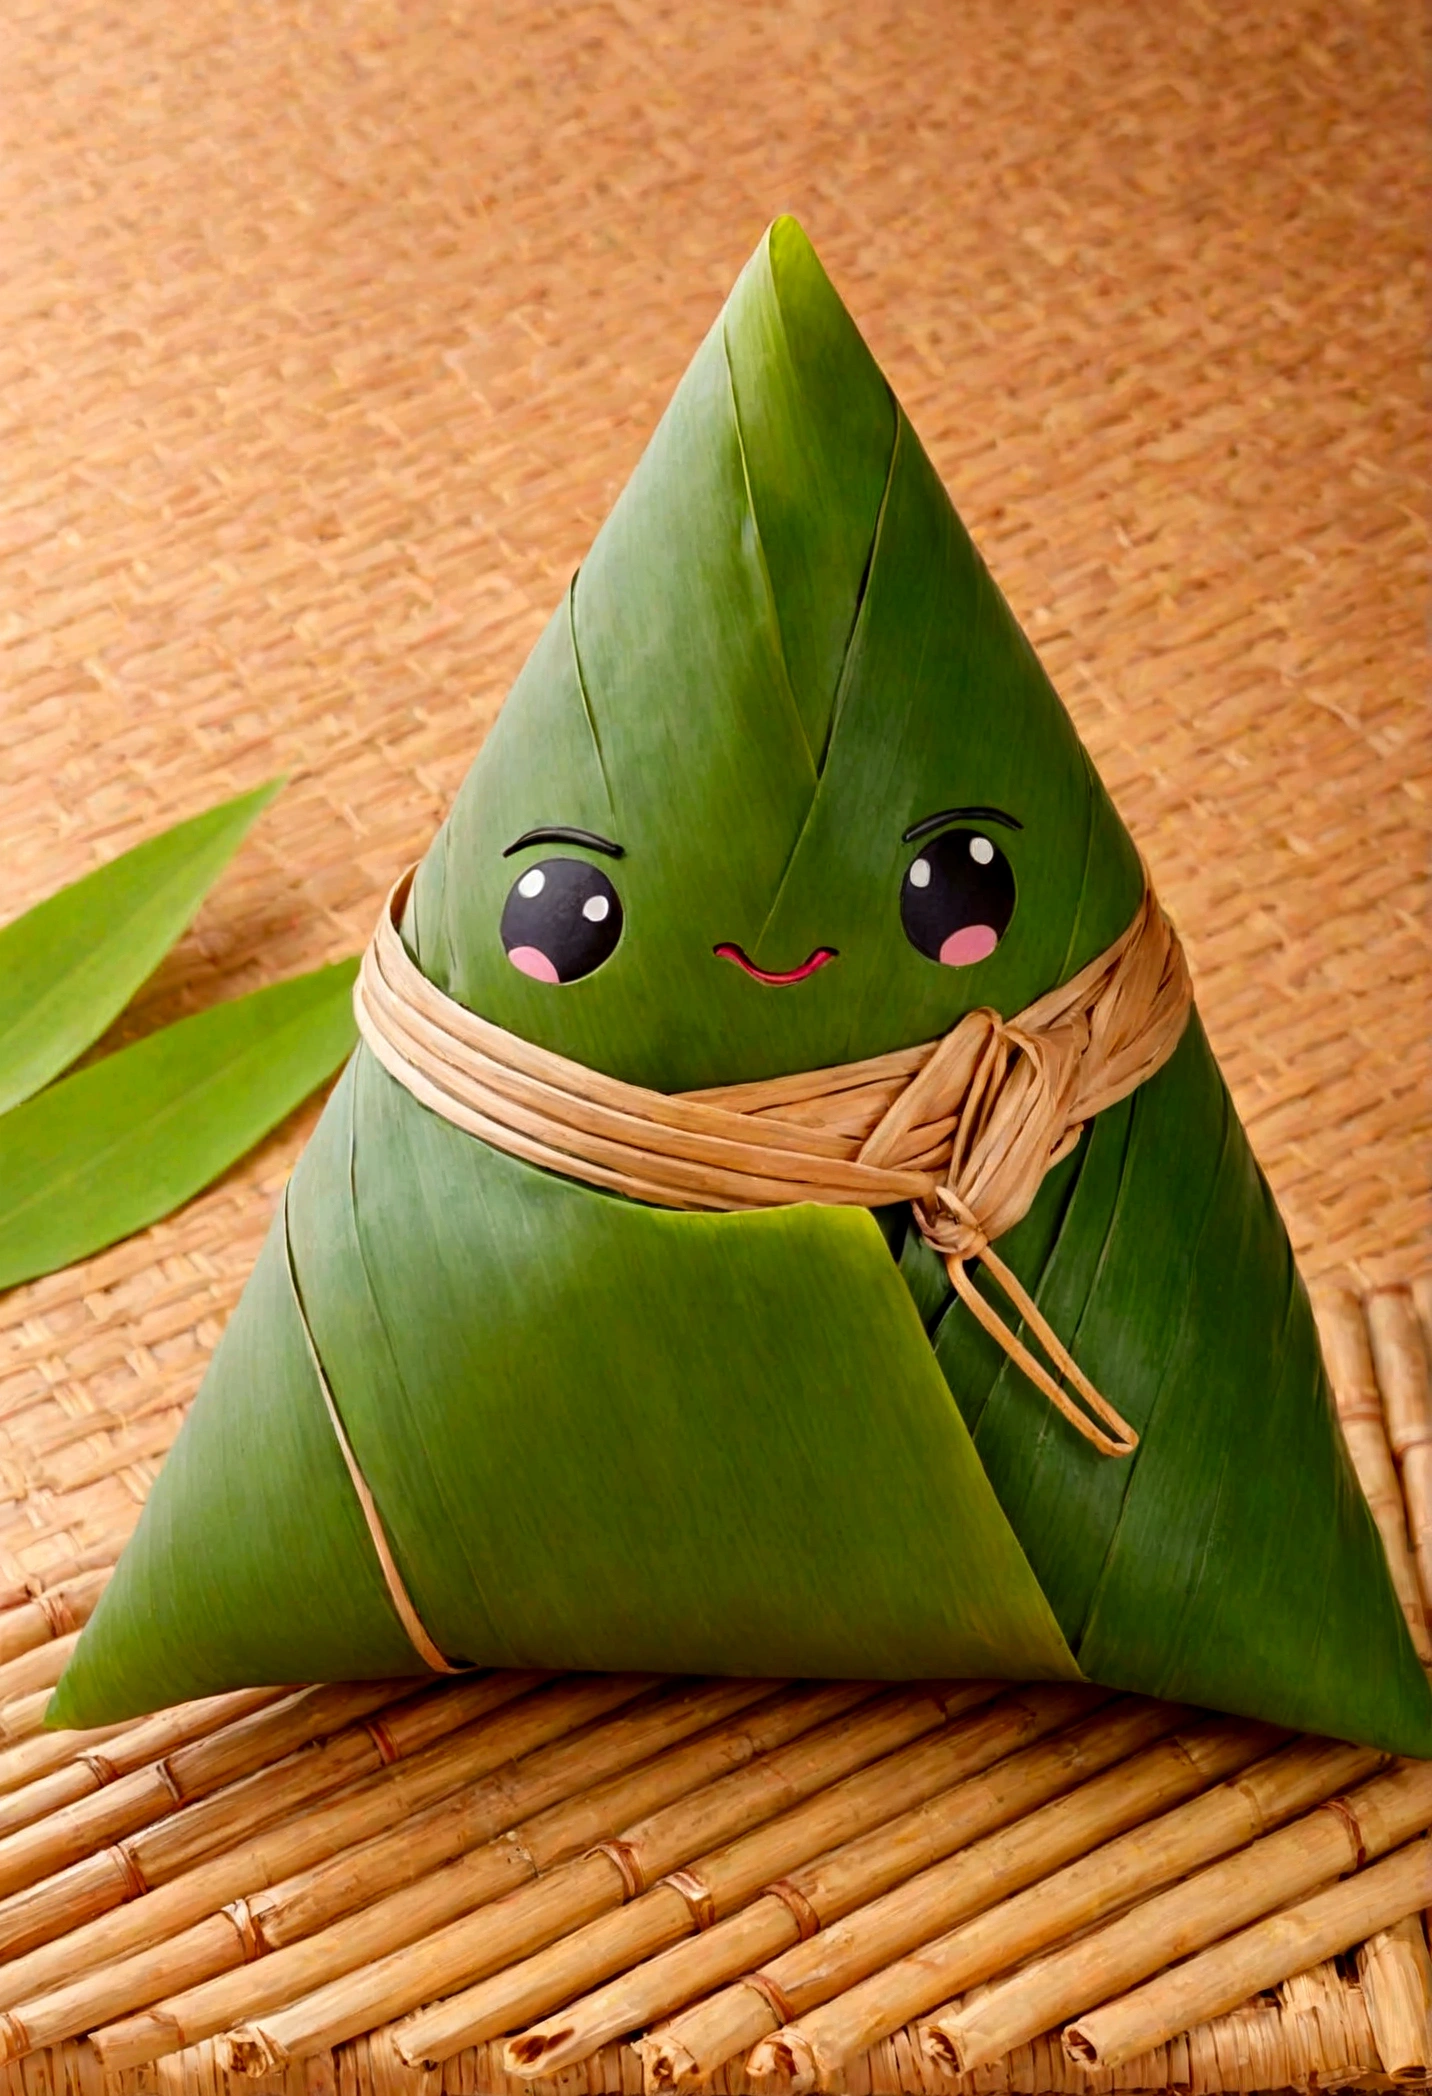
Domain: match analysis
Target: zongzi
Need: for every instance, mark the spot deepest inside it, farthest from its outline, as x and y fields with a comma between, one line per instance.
x=596, y=1331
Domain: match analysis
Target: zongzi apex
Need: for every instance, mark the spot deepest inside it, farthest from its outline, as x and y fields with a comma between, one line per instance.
x=987, y=1355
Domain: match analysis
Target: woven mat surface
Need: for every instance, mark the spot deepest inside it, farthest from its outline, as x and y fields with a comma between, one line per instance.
x=329, y=331
x=314, y=1893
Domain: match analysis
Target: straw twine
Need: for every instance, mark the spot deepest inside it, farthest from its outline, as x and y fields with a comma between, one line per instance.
x=963, y=1128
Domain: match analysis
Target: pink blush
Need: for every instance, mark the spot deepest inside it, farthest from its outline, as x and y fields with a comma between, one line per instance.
x=532, y=961
x=972, y=942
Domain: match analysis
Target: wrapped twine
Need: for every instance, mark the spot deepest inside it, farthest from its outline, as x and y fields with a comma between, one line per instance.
x=963, y=1128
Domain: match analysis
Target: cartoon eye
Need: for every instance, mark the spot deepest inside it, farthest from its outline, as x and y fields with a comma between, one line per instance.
x=957, y=898
x=562, y=919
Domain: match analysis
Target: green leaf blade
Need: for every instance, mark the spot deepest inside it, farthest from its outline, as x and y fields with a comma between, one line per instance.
x=327, y=1553
x=70, y=965
x=116, y=1147
x=761, y=1472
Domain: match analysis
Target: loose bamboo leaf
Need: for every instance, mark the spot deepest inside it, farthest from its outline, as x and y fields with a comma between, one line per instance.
x=115, y=1147
x=70, y=965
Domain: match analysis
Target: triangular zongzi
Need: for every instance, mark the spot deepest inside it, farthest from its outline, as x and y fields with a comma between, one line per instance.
x=782, y=787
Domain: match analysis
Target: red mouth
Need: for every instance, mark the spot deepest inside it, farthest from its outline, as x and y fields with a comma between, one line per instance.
x=818, y=959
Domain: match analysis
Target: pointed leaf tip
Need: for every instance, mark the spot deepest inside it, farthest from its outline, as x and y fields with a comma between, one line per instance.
x=786, y=234
x=113, y=1148
x=799, y=275
x=71, y=964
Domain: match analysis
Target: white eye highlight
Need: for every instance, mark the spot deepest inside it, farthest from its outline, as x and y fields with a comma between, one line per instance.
x=596, y=909
x=920, y=874
x=532, y=882
x=981, y=850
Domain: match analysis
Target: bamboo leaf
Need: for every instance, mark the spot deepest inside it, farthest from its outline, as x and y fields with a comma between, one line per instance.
x=760, y=1472
x=115, y=1147
x=70, y=965
x=317, y=1547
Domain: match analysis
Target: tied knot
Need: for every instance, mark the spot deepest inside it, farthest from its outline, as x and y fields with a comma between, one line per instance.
x=1000, y=1102
x=999, y=1153
x=949, y=1226
x=993, y=1107
x=963, y=1128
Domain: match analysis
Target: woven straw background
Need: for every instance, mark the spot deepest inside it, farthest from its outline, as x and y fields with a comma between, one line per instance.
x=329, y=331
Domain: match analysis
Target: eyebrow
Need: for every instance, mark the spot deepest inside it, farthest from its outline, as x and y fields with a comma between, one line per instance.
x=561, y=833
x=937, y=822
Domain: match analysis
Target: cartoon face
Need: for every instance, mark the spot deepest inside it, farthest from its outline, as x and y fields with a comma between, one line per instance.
x=563, y=917
x=782, y=784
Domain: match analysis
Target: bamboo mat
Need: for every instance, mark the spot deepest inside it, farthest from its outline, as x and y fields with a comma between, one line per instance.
x=328, y=333
x=398, y=1887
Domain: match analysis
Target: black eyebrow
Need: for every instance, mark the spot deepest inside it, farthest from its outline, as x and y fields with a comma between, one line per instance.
x=560, y=833
x=937, y=822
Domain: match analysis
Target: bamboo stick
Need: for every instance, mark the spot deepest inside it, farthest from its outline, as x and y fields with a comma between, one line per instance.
x=210, y=1716
x=23, y=1717
x=1324, y=2040
x=266, y=1750
x=561, y=1798
x=577, y=1892
x=40, y=1668
x=163, y=1762
x=657, y=1756
x=1040, y=1808
x=1326, y=1843
x=1396, y=1977
x=1421, y=1293
x=24, y=1764
x=1400, y=1360
x=397, y=1731
x=1256, y=1958
x=99, y=1557
x=1102, y=1883
x=1399, y=1356
x=709, y=1889
x=900, y=1844
x=53, y=1612
x=65, y=1925
x=136, y=1742
x=1359, y=1402
x=725, y=1878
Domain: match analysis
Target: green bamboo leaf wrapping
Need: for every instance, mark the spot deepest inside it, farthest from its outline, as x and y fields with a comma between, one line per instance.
x=70, y=965
x=1234, y=1559
x=324, y=1599
x=714, y=1492
x=118, y=1145
x=605, y=1435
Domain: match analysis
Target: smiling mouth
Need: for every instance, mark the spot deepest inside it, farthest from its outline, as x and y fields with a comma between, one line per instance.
x=818, y=959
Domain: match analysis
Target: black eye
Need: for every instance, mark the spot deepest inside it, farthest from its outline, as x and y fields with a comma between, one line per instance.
x=562, y=919
x=957, y=897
